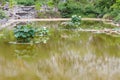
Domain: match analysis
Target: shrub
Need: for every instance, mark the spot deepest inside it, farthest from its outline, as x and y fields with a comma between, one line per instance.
x=38, y=5
x=70, y=7
x=67, y=9
x=2, y=14
x=42, y=35
x=117, y=18
x=24, y=33
x=73, y=23
x=12, y=3
x=76, y=20
x=103, y=6
x=42, y=32
x=26, y=2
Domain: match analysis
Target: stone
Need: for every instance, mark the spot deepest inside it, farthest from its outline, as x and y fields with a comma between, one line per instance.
x=27, y=8
x=6, y=6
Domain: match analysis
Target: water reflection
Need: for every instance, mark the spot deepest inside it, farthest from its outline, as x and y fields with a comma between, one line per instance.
x=67, y=55
x=102, y=44
x=25, y=50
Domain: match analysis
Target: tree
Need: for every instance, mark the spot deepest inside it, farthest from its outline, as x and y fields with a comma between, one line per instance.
x=103, y=6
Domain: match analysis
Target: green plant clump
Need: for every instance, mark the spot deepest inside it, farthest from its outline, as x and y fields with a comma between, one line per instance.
x=26, y=2
x=76, y=20
x=42, y=32
x=2, y=14
x=73, y=23
x=42, y=35
x=24, y=33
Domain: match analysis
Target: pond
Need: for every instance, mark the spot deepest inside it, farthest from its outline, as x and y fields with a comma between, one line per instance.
x=66, y=55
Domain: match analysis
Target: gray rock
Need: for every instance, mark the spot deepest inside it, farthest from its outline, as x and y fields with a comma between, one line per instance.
x=27, y=8
x=6, y=6
x=3, y=21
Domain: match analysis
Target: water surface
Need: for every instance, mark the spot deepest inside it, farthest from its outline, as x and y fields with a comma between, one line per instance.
x=66, y=48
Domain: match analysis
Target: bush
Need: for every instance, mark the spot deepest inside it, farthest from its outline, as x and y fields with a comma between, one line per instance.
x=87, y=8
x=68, y=9
x=26, y=2
x=2, y=14
x=12, y=3
x=76, y=20
x=74, y=23
x=103, y=7
x=24, y=33
x=117, y=18
x=42, y=35
x=71, y=7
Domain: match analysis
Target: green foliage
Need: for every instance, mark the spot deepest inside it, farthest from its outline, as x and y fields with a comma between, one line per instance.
x=54, y=2
x=2, y=14
x=115, y=13
x=116, y=5
x=76, y=20
x=87, y=8
x=37, y=5
x=26, y=2
x=79, y=7
x=117, y=18
x=50, y=3
x=74, y=23
x=103, y=6
x=24, y=33
x=12, y=3
x=2, y=2
x=67, y=9
x=42, y=35
x=42, y=32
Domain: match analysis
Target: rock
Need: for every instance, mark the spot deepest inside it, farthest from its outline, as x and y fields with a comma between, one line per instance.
x=6, y=6
x=22, y=12
x=27, y=8
x=3, y=21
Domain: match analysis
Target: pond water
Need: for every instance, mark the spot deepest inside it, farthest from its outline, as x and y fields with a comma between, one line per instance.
x=67, y=55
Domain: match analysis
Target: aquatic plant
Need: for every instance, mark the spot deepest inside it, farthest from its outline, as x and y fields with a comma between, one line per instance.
x=73, y=23
x=26, y=33
x=76, y=20
x=42, y=35
x=42, y=31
